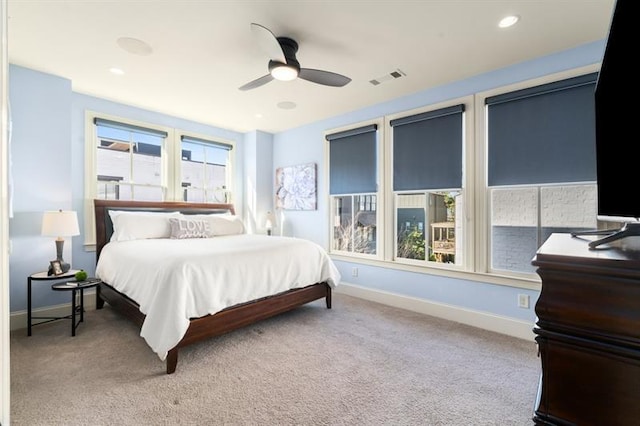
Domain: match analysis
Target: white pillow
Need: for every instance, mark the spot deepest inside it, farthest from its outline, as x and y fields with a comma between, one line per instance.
x=139, y=225
x=222, y=224
x=186, y=227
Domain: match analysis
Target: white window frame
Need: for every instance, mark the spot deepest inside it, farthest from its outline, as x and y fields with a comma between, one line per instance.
x=468, y=185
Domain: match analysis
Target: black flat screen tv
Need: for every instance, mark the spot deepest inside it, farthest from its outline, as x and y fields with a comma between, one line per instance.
x=617, y=163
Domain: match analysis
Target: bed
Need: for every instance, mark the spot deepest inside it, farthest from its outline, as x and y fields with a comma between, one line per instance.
x=184, y=290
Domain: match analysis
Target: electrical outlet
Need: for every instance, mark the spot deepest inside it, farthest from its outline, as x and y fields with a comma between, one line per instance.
x=523, y=301
x=354, y=272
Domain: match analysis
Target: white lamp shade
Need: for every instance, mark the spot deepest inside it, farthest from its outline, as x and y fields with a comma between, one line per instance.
x=270, y=220
x=60, y=224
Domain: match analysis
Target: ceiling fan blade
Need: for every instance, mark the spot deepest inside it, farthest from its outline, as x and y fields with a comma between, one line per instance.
x=268, y=42
x=326, y=78
x=257, y=82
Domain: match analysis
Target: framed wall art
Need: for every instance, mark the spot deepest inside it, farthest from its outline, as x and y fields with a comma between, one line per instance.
x=296, y=187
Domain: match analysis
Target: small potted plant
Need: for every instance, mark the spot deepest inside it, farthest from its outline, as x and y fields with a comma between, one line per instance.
x=81, y=275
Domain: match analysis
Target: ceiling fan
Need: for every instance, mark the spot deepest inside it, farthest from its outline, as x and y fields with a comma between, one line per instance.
x=283, y=64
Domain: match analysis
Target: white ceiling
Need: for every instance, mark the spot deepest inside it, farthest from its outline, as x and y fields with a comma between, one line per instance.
x=203, y=50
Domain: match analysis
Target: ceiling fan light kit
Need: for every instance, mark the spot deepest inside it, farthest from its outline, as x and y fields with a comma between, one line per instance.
x=284, y=66
x=283, y=72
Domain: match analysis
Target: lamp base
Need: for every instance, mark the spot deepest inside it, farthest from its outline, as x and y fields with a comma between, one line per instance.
x=63, y=265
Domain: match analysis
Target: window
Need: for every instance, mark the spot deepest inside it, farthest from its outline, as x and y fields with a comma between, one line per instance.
x=428, y=185
x=541, y=167
x=129, y=160
x=353, y=190
x=204, y=169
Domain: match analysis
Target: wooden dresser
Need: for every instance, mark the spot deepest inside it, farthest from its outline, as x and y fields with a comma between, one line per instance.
x=588, y=333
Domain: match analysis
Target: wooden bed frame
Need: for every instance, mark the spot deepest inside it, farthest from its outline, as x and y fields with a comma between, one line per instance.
x=211, y=325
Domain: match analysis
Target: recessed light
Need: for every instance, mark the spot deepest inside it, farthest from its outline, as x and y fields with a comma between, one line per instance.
x=286, y=105
x=116, y=71
x=134, y=46
x=258, y=115
x=508, y=21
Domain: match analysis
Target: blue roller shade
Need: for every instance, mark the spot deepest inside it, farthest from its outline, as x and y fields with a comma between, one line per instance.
x=544, y=134
x=427, y=150
x=191, y=139
x=128, y=127
x=352, y=161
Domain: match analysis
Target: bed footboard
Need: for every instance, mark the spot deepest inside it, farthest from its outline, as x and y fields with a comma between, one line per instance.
x=242, y=315
x=224, y=321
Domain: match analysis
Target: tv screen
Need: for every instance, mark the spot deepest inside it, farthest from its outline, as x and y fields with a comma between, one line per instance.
x=617, y=163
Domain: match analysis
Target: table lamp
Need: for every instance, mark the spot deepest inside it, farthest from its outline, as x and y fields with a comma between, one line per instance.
x=60, y=224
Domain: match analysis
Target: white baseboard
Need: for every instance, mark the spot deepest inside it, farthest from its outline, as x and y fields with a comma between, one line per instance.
x=19, y=318
x=499, y=324
x=496, y=323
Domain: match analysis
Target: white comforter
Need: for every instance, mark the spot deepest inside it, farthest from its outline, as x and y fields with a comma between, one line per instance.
x=174, y=280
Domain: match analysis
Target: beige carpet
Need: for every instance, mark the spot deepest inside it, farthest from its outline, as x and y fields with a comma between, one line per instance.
x=360, y=363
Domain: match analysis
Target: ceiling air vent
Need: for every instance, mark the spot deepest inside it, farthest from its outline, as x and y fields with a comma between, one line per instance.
x=391, y=76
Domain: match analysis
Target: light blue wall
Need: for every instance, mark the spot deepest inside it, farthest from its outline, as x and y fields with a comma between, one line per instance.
x=41, y=167
x=258, y=179
x=306, y=144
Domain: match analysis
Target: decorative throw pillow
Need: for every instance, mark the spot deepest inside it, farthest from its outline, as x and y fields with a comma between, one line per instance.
x=190, y=228
x=222, y=224
x=227, y=225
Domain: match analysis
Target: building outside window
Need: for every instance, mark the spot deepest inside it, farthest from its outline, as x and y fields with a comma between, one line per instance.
x=132, y=157
x=108, y=188
x=204, y=165
x=426, y=226
x=355, y=223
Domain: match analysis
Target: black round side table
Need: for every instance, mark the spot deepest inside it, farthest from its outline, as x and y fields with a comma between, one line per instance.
x=40, y=277
x=76, y=288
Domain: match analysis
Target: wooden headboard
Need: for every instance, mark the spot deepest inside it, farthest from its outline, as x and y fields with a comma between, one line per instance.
x=104, y=227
